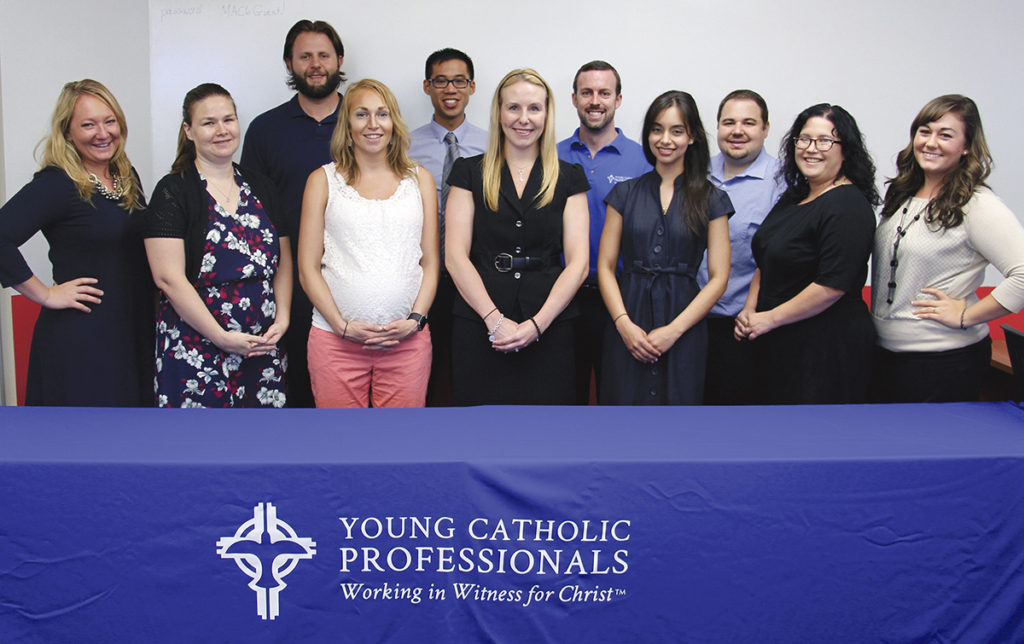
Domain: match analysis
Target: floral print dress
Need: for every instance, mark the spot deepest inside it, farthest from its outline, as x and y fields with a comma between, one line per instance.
x=239, y=261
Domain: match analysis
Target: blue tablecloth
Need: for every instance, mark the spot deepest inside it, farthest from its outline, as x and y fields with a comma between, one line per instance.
x=901, y=523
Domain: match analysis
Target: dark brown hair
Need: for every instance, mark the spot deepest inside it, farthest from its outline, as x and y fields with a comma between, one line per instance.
x=947, y=208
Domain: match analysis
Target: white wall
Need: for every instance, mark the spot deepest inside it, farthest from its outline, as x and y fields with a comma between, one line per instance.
x=45, y=44
x=881, y=60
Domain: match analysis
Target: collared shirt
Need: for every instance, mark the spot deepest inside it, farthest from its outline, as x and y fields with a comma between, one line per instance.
x=620, y=160
x=753, y=193
x=429, y=149
x=285, y=144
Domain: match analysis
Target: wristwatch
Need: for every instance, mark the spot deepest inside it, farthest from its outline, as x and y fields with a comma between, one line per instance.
x=421, y=320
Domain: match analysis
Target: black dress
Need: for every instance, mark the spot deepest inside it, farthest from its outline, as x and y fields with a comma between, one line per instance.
x=102, y=358
x=660, y=258
x=541, y=373
x=825, y=358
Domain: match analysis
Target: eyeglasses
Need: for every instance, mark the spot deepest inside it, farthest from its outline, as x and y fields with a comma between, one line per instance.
x=441, y=82
x=821, y=144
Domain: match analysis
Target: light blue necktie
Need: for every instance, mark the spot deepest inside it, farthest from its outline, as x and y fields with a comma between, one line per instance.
x=449, y=161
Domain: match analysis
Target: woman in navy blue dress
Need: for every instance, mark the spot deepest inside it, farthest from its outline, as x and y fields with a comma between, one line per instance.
x=91, y=342
x=213, y=246
x=660, y=223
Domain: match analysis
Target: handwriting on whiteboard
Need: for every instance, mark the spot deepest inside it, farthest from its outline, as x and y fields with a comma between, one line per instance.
x=224, y=10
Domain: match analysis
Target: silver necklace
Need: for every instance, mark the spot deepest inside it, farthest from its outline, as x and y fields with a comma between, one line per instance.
x=225, y=194
x=522, y=173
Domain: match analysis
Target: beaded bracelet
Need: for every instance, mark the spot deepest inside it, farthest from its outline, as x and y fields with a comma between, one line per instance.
x=962, y=314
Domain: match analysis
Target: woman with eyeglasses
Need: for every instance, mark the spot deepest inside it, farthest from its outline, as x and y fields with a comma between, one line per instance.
x=941, y=227
x=812, y=332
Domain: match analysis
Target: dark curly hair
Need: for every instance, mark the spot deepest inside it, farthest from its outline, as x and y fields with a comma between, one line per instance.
x=696, y=187
x=947, y=208
x=857, y=166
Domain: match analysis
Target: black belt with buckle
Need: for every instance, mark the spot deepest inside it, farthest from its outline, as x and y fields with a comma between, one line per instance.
x=505, y=262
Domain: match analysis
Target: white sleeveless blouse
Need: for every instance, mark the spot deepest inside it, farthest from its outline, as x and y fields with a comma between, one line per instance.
x=372, y=251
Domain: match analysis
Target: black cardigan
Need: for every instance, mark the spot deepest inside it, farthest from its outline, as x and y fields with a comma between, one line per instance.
x=179, y=210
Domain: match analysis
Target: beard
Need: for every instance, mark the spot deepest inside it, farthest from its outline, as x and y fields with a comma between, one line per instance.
x=299, y=84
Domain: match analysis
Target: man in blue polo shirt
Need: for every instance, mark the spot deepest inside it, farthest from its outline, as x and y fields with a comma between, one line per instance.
x=607, y=157
x=448, y=136
x=751, y=177
x=286, y=144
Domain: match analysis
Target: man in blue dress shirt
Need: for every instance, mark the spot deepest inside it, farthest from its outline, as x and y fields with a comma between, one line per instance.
x=751, y=177
x=449, y=84
x=607, y=157
x=286, y=144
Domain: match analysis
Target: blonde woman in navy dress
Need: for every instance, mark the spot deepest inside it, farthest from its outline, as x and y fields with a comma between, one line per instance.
x=213, y=247
x=92, y=343
x=660, y=223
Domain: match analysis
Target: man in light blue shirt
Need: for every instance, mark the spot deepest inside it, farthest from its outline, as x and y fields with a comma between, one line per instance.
x=607, y=157
x=750, y=175
x=449, y=84
x=448, y=136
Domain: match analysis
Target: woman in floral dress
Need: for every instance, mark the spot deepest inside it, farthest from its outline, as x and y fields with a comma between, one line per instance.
x=213, y=247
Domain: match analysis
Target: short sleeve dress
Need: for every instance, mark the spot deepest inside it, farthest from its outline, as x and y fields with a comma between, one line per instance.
x=102, y=358
x=660, y=257
x=826, y=358
x=541, y=373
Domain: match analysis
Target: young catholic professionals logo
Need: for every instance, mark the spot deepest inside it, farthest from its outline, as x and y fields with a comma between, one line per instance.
x=266, y=549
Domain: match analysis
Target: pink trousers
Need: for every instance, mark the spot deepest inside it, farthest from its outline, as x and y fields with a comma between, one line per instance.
x=344, y=374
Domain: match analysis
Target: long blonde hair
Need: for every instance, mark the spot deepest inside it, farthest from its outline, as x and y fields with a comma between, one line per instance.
x=59, y=152
x=494, y=157
x=398, y=147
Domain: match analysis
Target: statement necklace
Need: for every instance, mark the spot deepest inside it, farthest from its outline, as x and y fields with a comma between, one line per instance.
x=113, y=195
x=901, y=232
